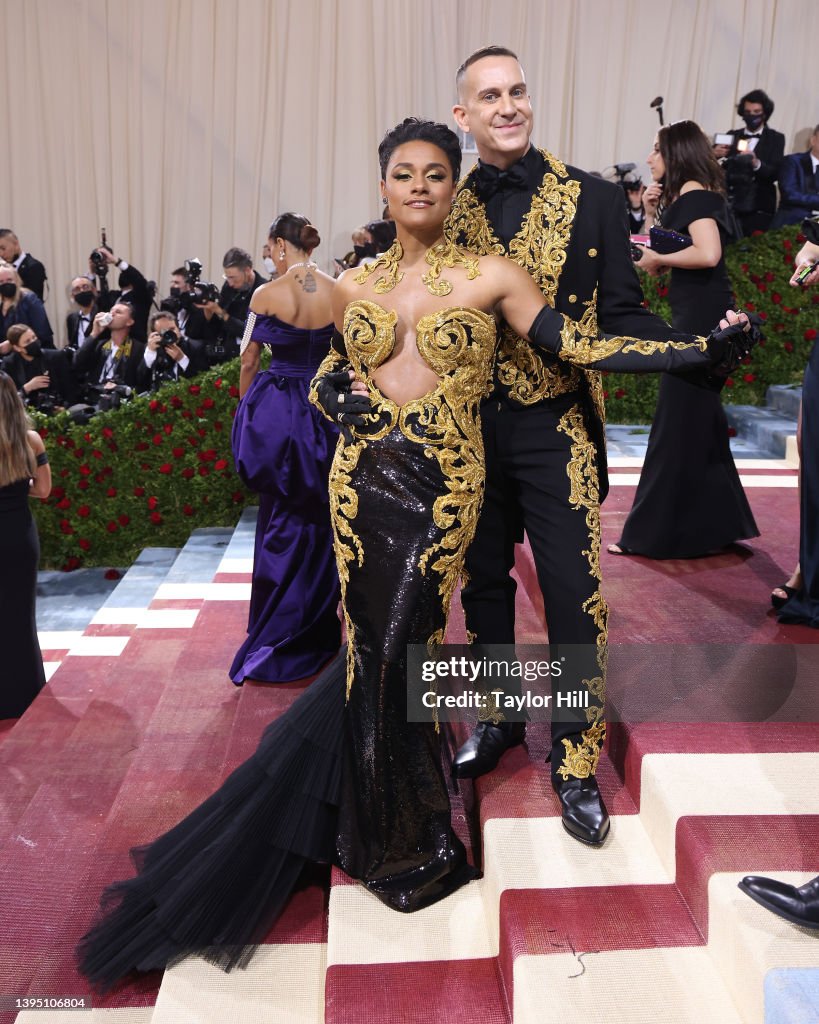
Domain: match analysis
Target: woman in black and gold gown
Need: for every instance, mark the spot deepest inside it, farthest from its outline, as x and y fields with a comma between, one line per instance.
x=343, y=777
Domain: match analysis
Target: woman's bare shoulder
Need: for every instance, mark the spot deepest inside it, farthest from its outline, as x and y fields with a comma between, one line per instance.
x=35, y=441
x=264, y=298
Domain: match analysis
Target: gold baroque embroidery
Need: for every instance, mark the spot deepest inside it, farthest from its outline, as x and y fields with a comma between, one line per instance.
x=388, y=261
x=348, y=548
x=540, y=248
x=581, y=759
x=445, y=254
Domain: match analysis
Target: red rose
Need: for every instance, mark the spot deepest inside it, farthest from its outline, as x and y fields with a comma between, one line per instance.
x=85, y=470
x=187, y=414
x=176, y=401
x=84, y=544
x=776, y=298
x=111, y=526
x=72, y=564
x=744, y=268
x=65, y=503
x=65, y=526
x=87, y=437
x=762, y=286
x=619, y=393
x=217, y=425
x=788, y=346
x=233, y=391
x=769, y=276
x=208, y=403
x=662, y=291
x=187, y=510
x=237, y=496
x=750, y=307
x=157, y=439
x=187, y=473
x=123, y=520
x=749, y=378
x=83, y=485
x=97, y=453
x=729, y=383
x=64, y=472
x=111, y=492
x=138, y=492
x=220, y=464
x=141, y=446
x=203, y=470
x=605, y=394
x=194, y=389
x=168, y=427
x=156, y=517
x=201, y=431
x=218, y=382
x=153, y=405
x=107, y=432
x=787, y=244
x=152, y=502
x=761, y=314
x=57, y=493
x=178, y=452
x=84, y=511
x=165, y=468
x=810, y=334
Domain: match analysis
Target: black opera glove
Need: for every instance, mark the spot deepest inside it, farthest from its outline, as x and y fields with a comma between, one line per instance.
x=339, y=401
x=730, y=346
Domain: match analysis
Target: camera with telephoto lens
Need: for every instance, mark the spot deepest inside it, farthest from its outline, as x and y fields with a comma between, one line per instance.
x=42, y=401
x=99, y=263
x=167, y=338
x=201, y=291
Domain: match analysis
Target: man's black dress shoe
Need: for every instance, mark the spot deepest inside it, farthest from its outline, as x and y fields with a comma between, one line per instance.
x=799, y=906
x=482, y=751
x=584, y=813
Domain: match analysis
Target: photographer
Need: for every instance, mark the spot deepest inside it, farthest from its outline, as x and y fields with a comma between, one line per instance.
x=634, y=190
x=43, y=377
x=133, y=288
x=79, y=321
x=751, y=163
x=168, y=354
x=111, y=355
x=241, y=280
x=187, y=300
x=32, y=272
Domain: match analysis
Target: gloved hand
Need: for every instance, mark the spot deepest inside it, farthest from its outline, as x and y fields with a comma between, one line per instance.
x=728, y=346
x=340, y=402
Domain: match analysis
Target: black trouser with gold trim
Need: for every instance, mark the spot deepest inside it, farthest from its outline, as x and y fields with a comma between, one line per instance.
x=541, y=477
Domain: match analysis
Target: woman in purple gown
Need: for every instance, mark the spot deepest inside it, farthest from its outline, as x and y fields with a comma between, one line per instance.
x=283, y=449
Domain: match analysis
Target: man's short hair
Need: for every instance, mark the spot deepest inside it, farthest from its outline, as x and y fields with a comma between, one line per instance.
x=180, y=272
x=161, y=314
x=6, y=233
x=237, y=257
x=130, y=305
x=485, y=51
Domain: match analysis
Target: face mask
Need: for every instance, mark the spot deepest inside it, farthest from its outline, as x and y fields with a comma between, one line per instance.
x=175, y=292
x=752, y=121
x=365, y=250
x=8, y=289
x=269, y=265
x=84, y=299
x=34, y=349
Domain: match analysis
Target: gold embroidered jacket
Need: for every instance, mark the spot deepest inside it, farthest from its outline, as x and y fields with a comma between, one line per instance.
x=574, y=243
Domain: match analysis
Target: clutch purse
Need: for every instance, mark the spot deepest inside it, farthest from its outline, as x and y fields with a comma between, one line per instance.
x=664, y=241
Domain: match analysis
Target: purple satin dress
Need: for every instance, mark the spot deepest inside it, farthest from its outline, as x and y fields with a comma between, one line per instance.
x=283, y=449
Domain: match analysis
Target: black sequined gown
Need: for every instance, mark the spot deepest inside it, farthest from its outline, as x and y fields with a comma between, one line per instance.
x=347, y=781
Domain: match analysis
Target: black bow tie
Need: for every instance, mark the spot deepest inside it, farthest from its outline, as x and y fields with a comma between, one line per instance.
x=489, y=180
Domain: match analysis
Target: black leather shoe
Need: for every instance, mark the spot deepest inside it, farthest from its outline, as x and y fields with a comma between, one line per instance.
x=584, y=813
x=799, y=906
x=482, y=751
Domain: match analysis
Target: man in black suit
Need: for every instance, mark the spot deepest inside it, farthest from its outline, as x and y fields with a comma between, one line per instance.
x=543, y=425
x=752, y=162
x=162, y=362
x=79, y=322
x=111, y=354
x=32, y=272
x=799, y=185
x=44, y=377
x=241, y=281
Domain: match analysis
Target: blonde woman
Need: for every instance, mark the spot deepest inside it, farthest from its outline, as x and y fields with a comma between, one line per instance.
x=24, y=472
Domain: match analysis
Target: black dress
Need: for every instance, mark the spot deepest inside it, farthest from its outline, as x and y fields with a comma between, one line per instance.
x=690, y=500
x=803, y=607
x=342, y=777
x=22, y=674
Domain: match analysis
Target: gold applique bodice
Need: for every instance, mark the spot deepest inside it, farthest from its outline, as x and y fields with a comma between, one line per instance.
x=457, y=343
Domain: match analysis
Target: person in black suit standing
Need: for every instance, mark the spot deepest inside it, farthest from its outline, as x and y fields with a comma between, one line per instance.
x=752, y=163
x=111, y=354
x=799, y=185
x=543, y=425
x=32, y=272
x=79, y=321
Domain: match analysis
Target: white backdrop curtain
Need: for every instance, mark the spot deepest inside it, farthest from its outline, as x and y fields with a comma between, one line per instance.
x=184, y=126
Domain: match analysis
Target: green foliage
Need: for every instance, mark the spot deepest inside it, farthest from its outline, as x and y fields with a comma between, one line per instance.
x=143, y=475
x=759, y=268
